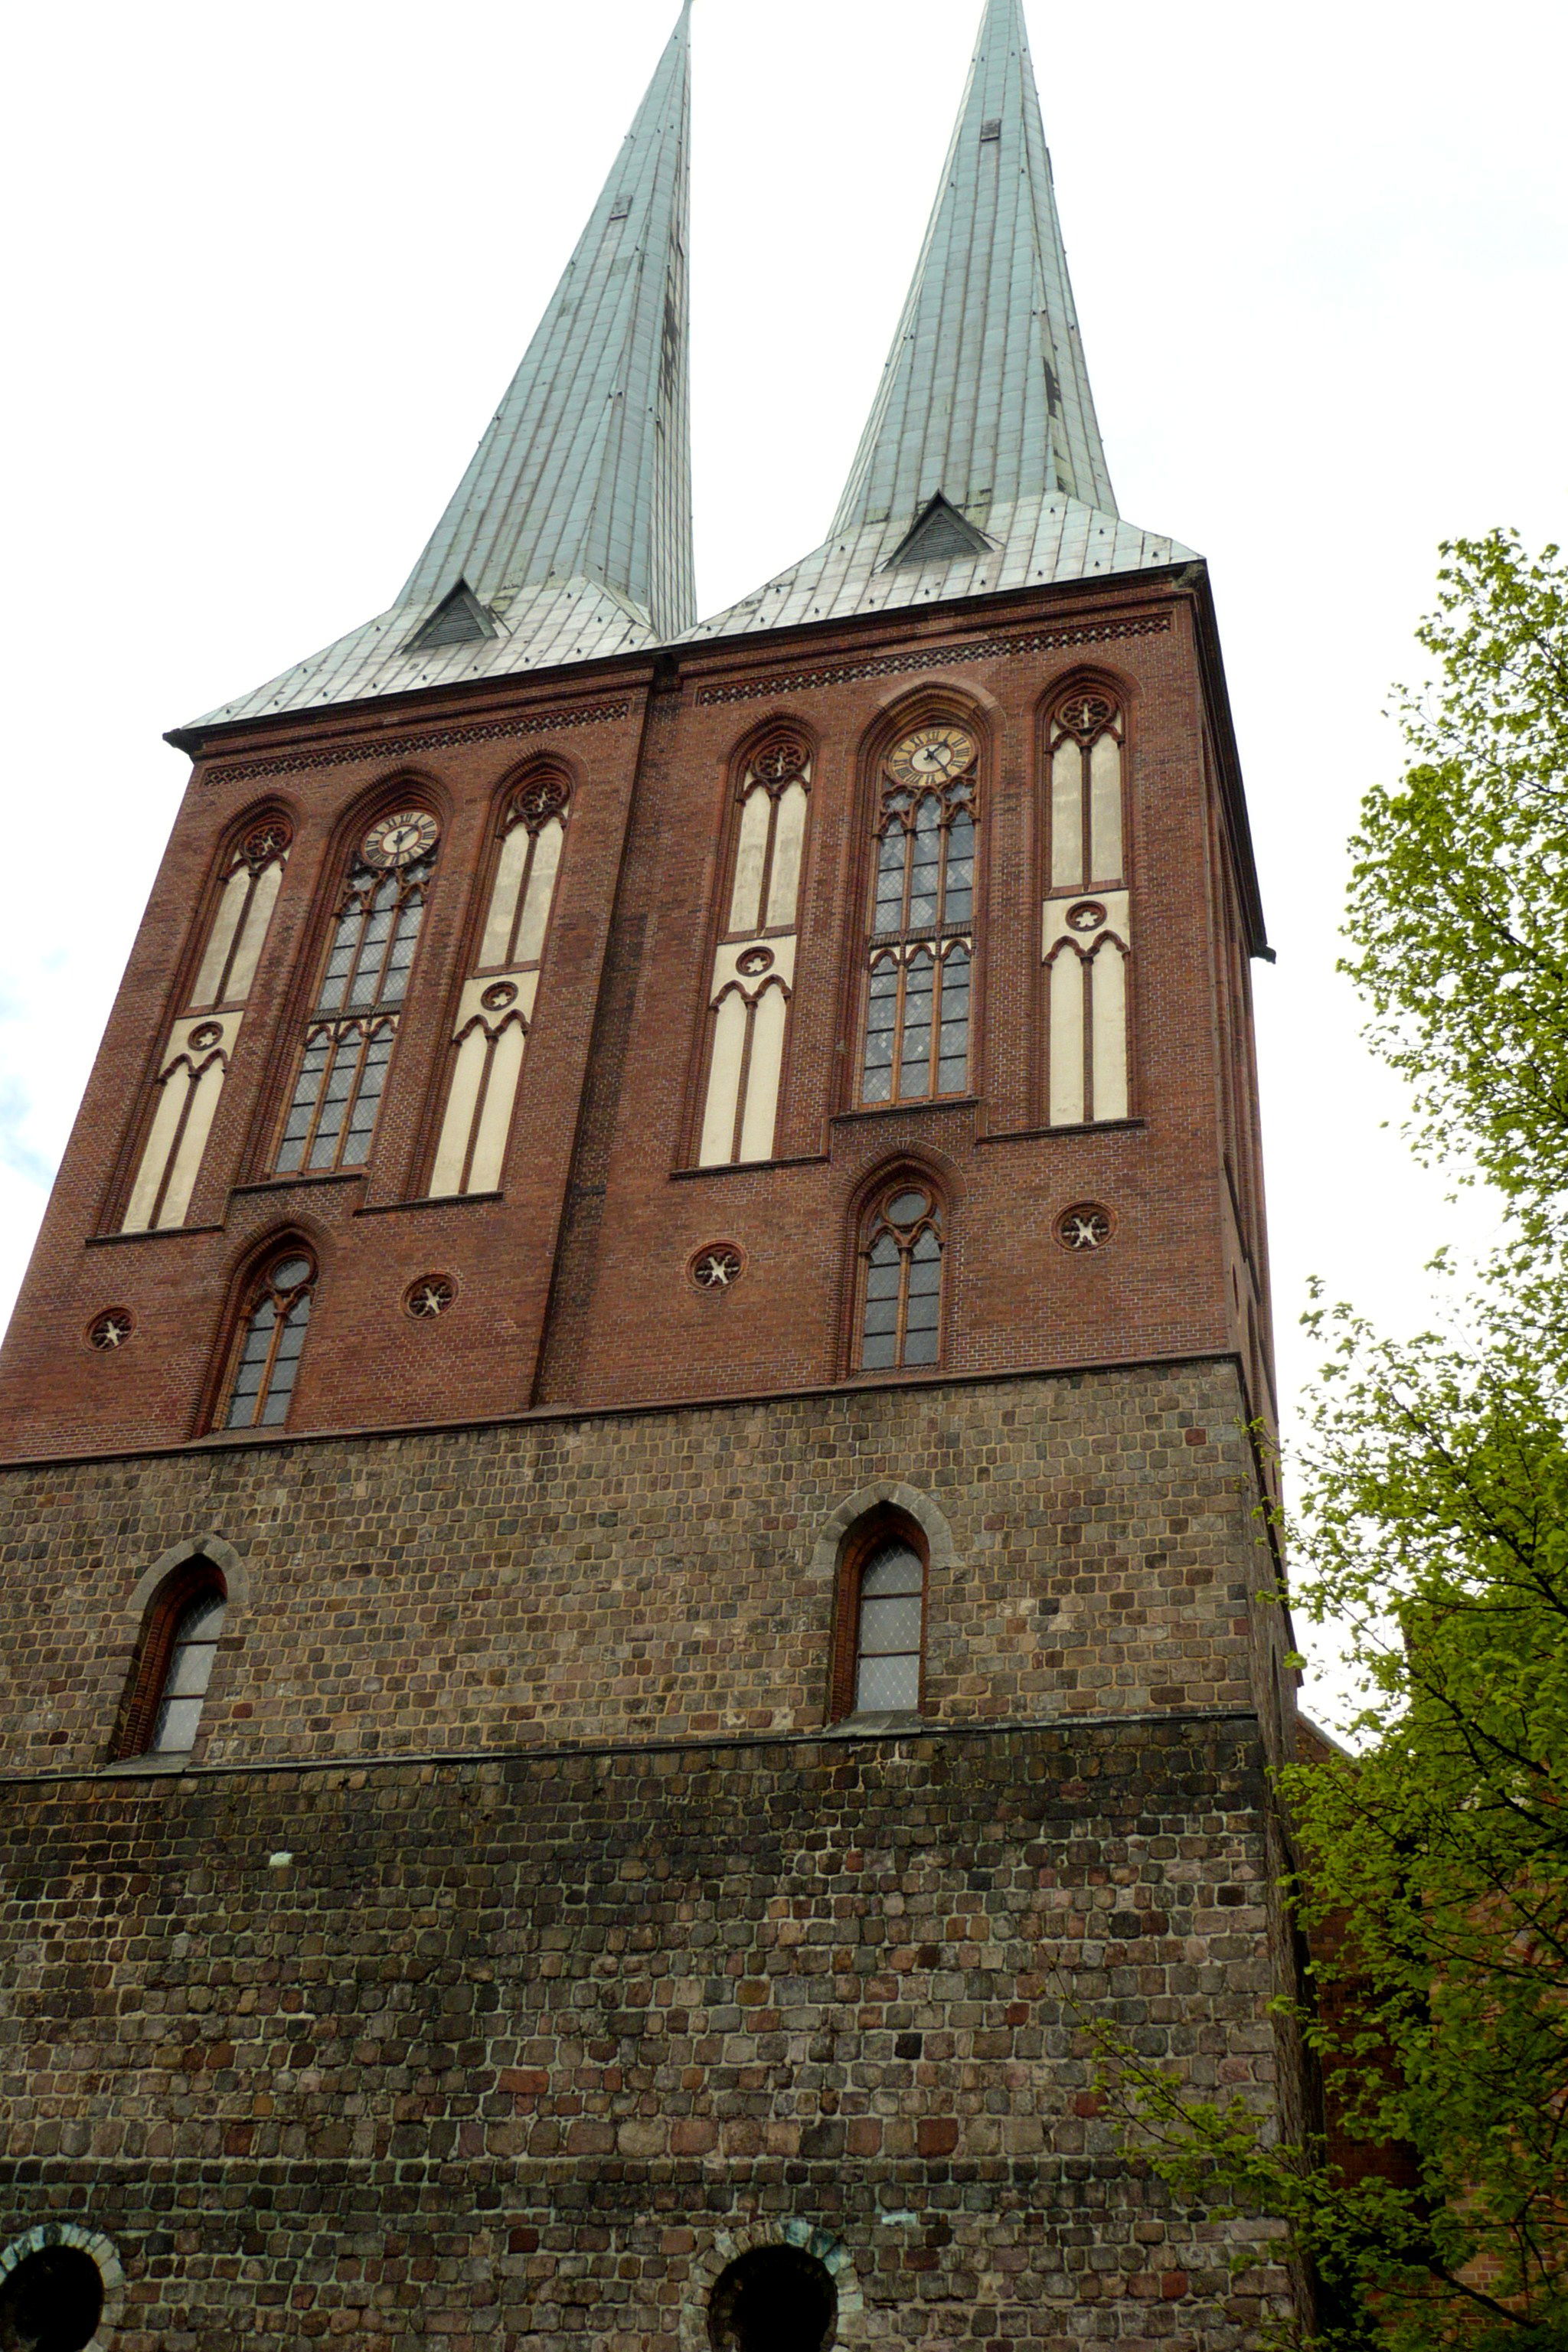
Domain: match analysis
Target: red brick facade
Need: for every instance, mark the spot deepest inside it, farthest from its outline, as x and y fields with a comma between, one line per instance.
x=571, y=1284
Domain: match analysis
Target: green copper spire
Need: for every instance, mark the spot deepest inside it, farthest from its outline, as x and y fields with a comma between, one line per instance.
x=986, y=396
x=570, y=536
x=980, y=467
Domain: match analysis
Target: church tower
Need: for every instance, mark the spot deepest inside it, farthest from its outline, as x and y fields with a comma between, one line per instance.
x=637, y=1585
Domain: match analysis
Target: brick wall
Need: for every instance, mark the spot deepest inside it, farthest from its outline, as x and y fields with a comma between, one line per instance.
x=518, y=2051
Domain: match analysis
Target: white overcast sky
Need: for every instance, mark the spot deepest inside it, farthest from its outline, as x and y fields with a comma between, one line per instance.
x=270, y=268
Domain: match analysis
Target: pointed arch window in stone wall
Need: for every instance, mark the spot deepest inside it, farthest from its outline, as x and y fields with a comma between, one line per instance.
x=350, y=1036
x=752, y=981
x=271, y=1341
x=1086, y=939
x=890, y=1648
x=201, y=1045
x=496, y=1009
x=921, y=949
x=191, y=1657
x=900, y=1281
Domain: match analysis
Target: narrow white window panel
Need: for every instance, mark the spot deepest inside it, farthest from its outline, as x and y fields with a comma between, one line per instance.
x=1067, y=817
x=1105, y=810
x=718, y=1143
x=497, y=944
x=1109, y=983
x=751, y=855
x=192, y=1144
x=789, y=841
x=225, y=922
x=447, y=1176
x=540, y=891
x=1067, y=977
x=258, y=915
x=762, y=1076
x=495, y=1117
x=176, y=1087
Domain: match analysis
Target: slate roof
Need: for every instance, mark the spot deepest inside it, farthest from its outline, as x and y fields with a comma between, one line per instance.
x=984, y=429
x=569, y=538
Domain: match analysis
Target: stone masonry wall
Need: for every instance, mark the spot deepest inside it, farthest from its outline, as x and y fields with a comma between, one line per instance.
x=518, y=2051
x=653, y=1574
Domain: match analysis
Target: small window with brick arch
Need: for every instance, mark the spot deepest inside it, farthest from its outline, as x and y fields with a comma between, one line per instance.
x=174, y=1664
x=880, y=1652
x=272, y=1340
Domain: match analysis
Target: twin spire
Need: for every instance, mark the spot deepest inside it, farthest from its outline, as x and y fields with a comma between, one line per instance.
x=569, y=538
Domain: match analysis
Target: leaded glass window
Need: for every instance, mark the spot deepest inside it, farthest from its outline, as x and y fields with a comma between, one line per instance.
x=900, y=1313
x=891, y=1635
x=188, y=1674
x=348, y=1041
x=921, y=959
x=272, y=1342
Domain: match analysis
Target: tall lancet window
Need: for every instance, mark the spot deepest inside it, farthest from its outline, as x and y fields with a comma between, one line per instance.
x=201, y=1045
x=1085, y=938
x=921, y=949
x=753, y=980
x=495, y=1011
x=349, y=1037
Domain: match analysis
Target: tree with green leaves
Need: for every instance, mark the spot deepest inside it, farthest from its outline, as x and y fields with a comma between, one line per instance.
x=1431, y=1530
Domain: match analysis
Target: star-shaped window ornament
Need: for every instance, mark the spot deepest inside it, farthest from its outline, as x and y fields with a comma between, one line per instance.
x=111, y=1329
x=718, y=1267
x=429, y=1296
x=1085, y=1227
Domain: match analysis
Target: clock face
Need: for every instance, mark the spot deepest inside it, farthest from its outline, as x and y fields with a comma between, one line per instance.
x=399, y=840
x=932, y=755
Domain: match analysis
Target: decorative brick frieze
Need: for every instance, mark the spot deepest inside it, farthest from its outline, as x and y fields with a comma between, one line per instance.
x=429, y=739
x=937, y=657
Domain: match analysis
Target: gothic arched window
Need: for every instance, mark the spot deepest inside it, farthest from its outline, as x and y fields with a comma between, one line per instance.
x=175, y=1662
x=917, y=1035
x=1085, y=933
x=272, y=1338
x=348, y=1040
x=900, y=1279
x=495, y=1010
x=201, y=1045
x=753, y=980
x=880, y=1649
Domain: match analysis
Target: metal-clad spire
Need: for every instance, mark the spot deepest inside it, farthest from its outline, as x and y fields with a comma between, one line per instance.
x=981, y=468
x=569, y=538
x=585, y=468
x=986, y=396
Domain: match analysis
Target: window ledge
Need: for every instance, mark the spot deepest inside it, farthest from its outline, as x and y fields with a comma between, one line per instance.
x=288, y=1183
x=427, y=1201
x=1081, y=1127
x=747, y=1166
x=897, y=1720
x=908, y=1109
x=131, y=1768
x=150, y=1234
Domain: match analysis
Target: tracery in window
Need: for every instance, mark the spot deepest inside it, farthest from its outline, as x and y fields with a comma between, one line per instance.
x=496, y=1009
x=202, y=1044
x=348, y=1040
x=267, y=1363
x=1086, y=934
x=752, y=981
x=921, y=958
x=900, y=1280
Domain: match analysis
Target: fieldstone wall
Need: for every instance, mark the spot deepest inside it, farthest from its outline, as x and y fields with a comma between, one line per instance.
x=1095, y=1549
x=518, y=2051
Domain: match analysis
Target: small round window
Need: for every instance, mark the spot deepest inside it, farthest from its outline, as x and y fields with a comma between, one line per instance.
x=52, y=2302
x=906, y=1208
